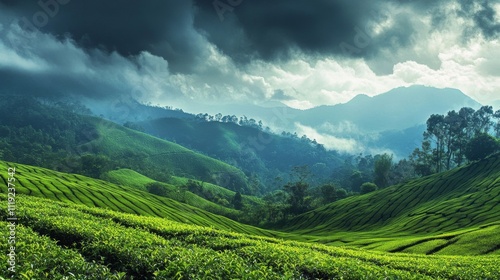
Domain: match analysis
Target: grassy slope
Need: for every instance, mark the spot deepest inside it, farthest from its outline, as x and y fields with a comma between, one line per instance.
x=60, y=240
x=453, y=212
x=127, y=177
x=81, y=190
x=116, y=141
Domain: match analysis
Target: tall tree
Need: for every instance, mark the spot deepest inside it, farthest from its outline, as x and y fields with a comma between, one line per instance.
x=328, y=193
x=453, y=139
x=298, y=201
x=467, y=116
x=422, y=160
x=497, y=125
x=464, y=134
x=401, y=172
x=435, y=133
x=482, y=119
x=237, y=201
x=383, y=164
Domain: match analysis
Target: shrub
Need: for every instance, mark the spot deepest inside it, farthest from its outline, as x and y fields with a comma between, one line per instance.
x=157, y=188
x=368, y=187
x=481, y=146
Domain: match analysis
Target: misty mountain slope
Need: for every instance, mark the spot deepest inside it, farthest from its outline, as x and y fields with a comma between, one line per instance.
x=397, y=109
x=130, y=110
x=252, y=150
x=397, y=117
x=401, y=142
x=459, y=199
x=56, y=138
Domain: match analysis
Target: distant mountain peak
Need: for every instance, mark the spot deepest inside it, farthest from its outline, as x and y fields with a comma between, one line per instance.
x=397, y=109
x=360, y=98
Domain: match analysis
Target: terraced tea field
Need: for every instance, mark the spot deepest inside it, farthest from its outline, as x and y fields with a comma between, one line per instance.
x=93, y=229
x=78, y=242
x=81, y=190
x=455, y=212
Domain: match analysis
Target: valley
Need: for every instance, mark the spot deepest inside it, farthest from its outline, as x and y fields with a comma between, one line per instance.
x=189, y=215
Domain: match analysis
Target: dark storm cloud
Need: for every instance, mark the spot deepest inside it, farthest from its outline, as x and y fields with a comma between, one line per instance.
x=162, y=27
x=35, y=63
x=273, y=29
x=270, y=30
x=485, y=20
x=53, y=85
x=481, y=12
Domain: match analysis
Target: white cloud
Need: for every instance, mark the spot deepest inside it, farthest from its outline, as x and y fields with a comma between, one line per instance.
x=342, y=128
x=472, y=68
x=330, y=142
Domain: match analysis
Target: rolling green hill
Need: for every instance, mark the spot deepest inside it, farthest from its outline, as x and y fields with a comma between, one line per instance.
x=118, y=142
x=453, y=212
x=263, y=154
x=57, y=137
x=80, y=190
x=175, y=189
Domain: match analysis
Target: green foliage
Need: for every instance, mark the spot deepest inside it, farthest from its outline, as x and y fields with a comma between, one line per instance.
x=422, y=160
x=177, y=190
x=368, y=188
x=382, y=167
x=94, y=165
x=341, y=193
x=194, y=187
x=127, y=177
x=252, y=149
x=134, y=126
x=77, y=189
x=357, y=180
x=157, y=188
x=328, y=193
x=237, y=201
x=402, y=172
x=481, y=146
x=40, y=257
x=298, y=201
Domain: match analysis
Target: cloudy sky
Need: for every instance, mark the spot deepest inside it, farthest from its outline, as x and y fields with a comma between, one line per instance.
x=302, y=53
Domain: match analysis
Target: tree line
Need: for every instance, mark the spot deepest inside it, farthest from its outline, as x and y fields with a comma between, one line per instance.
x=457, y=138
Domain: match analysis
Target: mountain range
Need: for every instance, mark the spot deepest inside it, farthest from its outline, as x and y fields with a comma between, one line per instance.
x=391, y=122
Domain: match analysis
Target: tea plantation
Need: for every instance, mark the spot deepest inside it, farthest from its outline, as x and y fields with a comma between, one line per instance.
x=73, y=227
